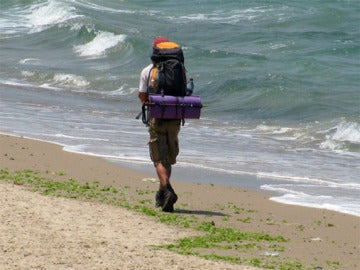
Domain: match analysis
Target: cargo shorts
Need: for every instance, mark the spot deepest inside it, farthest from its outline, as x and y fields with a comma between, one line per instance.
x=164, y=142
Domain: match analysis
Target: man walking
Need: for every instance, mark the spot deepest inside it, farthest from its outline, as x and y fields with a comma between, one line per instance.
x=163, y=143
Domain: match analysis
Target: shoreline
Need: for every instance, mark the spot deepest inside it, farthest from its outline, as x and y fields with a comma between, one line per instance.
x=148, y=169
x=317, y=236
x=248, y=184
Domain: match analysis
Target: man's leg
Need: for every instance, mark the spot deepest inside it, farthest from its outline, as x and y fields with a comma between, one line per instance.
x=166, y=196
x=163, y=151
x=164, y=174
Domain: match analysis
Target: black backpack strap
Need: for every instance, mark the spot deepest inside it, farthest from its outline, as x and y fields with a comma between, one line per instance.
x=144, y=114
x=182, y=111
x=145, y=107
x=148, y=79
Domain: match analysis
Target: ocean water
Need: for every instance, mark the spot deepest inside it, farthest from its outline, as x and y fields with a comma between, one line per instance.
x=280, y=81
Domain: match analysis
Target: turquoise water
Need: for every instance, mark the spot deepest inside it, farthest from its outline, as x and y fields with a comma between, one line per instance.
x=279, y=80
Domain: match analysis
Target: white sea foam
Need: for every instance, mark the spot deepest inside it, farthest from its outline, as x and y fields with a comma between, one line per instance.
x=77, y=137
x=102, y=8
x=29, y=60
x=27, y=74
x=50, y=13
x=6, y=26
x=122, y=91
x=13, y=23
x=347, y=131
x=274, y=130
x=70, y=80
x=15, y=83
x=276, y=46
x=283, y=133
x=308, y=180
x=49, y=87
x=58, y=82
x=343, y=133
x=37, y=17
x=267, y=175
x=98, y=46
x=323, y=202
x=84, y=149
x=232, y=17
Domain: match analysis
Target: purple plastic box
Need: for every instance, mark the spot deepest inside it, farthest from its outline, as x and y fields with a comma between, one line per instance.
x=170, y=107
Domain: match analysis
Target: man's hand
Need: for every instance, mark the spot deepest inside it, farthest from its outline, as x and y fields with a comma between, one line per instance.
x=143, y=97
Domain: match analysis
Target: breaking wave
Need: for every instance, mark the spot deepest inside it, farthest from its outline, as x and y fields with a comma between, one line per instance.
x=99, y=45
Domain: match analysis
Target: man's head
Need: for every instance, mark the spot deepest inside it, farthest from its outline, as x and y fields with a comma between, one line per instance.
x=159, y=40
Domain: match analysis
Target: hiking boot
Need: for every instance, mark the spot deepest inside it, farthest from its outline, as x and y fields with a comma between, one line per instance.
x=170, y=199
x=159, y=198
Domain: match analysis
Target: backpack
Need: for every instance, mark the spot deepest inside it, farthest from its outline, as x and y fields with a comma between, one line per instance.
x=168, y=73
x=167, y=87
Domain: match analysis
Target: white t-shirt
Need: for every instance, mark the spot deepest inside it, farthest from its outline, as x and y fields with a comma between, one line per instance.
x=144, y=78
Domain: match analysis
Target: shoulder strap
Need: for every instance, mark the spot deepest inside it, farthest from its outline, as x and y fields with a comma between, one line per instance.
x=154, y=74
x=148, y=78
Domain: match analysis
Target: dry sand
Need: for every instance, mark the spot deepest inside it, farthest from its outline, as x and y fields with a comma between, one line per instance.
x=39, y=232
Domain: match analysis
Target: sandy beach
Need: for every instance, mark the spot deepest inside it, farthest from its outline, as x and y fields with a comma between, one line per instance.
x=45, y=232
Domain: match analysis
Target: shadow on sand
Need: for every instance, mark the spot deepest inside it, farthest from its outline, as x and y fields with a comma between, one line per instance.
x=198, y=212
